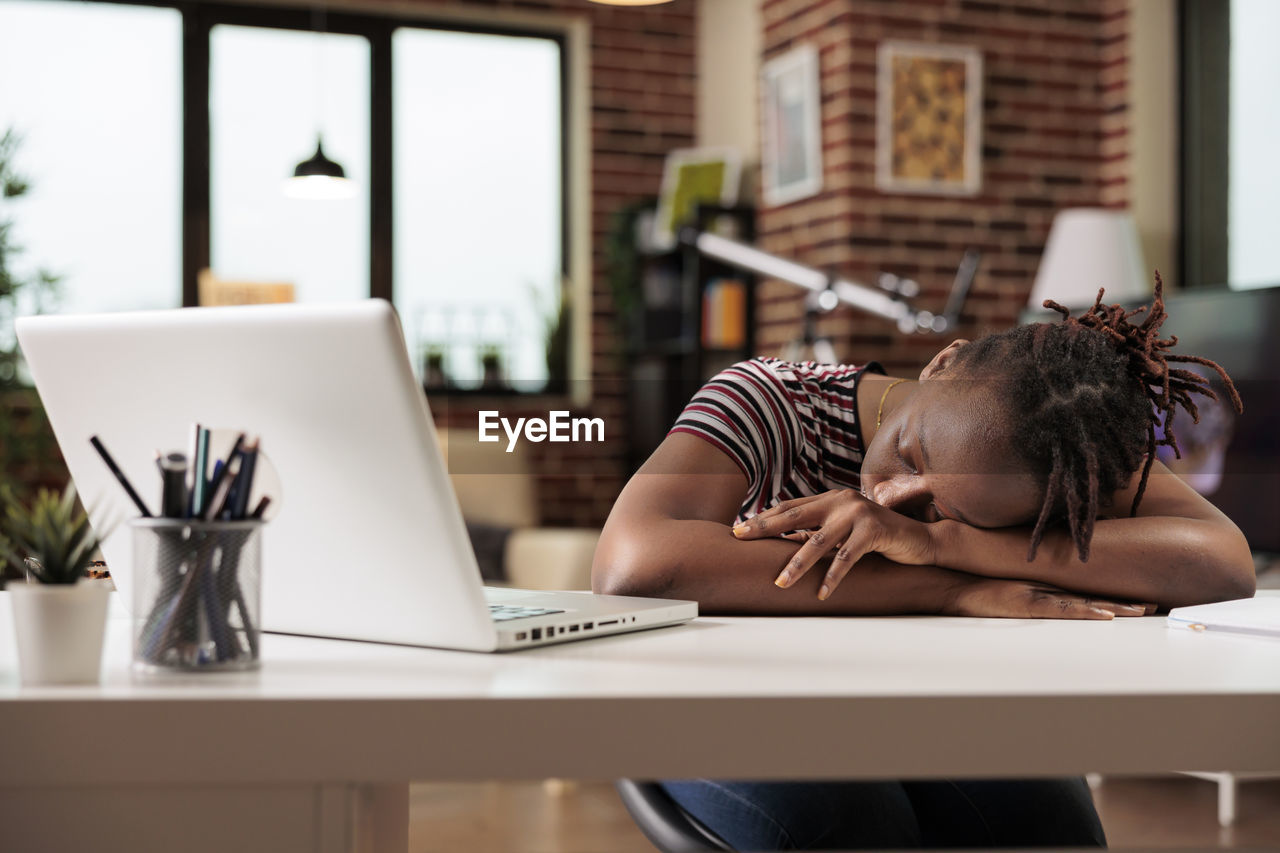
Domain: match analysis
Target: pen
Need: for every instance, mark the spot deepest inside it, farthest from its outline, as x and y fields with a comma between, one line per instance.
x=244, y=481
x=215, y=483
x=261, y=508
x=202, y=469
x=224, y=479
x=196, y=473
x=119, y=475
x=173, y=494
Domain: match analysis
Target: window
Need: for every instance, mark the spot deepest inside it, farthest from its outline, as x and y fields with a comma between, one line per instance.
x=1254, y=173
x=94, y=93
x=1231, y=176
x=478, y=222
x=455, y=141
x=272, y=92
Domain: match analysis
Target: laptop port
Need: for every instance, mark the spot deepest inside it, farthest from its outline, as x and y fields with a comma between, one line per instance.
x=537, y=633
x=604, y=622
x=573, y=628
x=523, y=635
x=587, y=626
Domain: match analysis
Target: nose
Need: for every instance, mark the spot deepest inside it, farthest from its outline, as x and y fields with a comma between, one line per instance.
x=897, y=492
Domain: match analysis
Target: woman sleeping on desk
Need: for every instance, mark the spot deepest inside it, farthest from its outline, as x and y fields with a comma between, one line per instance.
x=1017, y=477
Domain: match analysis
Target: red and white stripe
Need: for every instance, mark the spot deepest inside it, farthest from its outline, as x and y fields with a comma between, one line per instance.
x=791, y=427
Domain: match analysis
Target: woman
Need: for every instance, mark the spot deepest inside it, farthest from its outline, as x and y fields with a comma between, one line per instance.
x=1017, y=477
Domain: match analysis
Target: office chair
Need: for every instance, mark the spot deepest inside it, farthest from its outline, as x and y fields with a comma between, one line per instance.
x=663, y=822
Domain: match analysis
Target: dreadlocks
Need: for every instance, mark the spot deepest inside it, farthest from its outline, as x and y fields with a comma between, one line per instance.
x=1087, y=396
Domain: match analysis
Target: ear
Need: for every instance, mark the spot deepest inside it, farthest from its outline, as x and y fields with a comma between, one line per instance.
x=942, y=359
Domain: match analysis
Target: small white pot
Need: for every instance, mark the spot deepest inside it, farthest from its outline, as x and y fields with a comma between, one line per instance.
x=60, y=630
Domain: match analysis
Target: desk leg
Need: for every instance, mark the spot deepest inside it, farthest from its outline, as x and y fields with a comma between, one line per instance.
x=1226, y=800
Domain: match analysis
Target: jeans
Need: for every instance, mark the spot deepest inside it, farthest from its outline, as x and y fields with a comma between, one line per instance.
x=886, y=815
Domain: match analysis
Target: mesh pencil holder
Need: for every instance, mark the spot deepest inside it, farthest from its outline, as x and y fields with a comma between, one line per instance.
x=196, y=594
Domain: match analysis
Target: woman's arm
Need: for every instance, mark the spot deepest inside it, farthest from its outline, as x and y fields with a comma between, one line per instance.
x=1179, y=549
x=669, y=536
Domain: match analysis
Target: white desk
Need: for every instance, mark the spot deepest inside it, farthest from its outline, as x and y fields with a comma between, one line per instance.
x=315, y=751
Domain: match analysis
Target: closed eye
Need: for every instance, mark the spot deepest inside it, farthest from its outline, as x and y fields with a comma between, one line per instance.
x=930, y=513
x=897, y=448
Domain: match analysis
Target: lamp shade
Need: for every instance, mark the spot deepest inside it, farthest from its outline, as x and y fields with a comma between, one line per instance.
x=630, y=2
x=319, y=178
x=1090, y=248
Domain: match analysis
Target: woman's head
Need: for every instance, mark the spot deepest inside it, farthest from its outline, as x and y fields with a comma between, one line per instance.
x=1039, y=424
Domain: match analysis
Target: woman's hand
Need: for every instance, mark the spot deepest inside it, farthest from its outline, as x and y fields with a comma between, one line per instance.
x=843, y=521
x=1017, y=599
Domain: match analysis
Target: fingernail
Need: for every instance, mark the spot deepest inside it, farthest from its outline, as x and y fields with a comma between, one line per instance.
x=824, y=592
x=1105, y=614
x=784, y=580
x=739, y=530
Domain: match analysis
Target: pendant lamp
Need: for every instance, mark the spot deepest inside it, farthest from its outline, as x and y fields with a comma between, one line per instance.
x=319, y=178
x=630, y=2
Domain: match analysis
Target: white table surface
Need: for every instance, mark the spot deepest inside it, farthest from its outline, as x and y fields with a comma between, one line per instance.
x=757, y=697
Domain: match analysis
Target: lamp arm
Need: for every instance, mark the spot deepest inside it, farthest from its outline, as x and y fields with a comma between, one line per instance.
x=852, y=293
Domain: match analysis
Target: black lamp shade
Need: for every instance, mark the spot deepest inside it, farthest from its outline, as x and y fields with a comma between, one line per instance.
x=319, y=165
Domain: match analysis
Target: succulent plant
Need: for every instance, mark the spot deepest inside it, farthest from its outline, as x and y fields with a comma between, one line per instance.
x=50, y=539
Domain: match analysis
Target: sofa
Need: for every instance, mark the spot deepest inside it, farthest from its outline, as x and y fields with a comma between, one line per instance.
x=498, y=495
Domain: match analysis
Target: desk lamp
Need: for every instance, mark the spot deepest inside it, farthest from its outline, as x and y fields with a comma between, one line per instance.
x=1090, y=248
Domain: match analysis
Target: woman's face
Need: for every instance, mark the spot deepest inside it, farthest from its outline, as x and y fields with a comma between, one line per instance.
x=945, y=453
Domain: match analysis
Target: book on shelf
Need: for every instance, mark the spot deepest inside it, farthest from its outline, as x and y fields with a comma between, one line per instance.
x=724, y=314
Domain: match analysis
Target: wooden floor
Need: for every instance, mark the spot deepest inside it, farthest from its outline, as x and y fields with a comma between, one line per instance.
x=571, y=817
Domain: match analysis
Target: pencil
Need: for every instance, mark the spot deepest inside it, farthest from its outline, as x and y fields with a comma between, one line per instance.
x=119, y=475
x=261, y=508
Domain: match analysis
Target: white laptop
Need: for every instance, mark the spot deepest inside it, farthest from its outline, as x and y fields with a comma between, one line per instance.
x=366, y=541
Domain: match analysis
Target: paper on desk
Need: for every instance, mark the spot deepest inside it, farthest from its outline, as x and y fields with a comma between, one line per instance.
x=1256, y=616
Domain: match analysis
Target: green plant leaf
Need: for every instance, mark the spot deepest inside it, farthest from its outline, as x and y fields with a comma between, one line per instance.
x=52, y=532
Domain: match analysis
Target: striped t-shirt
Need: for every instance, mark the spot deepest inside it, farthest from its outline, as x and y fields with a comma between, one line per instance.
x=791, y=427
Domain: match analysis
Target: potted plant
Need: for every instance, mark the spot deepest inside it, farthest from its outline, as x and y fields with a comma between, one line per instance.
x=433, y=372
x=491, y=367
x=59, y=615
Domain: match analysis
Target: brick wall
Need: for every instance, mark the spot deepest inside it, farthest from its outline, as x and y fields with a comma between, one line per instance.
x=643, y=77
x=1054, y=136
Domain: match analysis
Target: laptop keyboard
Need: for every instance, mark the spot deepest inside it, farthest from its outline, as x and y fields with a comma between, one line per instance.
x=505, y=612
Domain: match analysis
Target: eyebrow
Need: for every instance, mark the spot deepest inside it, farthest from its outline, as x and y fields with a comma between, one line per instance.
x=924, y=457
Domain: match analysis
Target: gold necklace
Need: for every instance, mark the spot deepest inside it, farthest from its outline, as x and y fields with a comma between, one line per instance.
x=880, y=409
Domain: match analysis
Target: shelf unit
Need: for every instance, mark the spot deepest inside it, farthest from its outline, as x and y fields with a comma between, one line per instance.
x=669, y=354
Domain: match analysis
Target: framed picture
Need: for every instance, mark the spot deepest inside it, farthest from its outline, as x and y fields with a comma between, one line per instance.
x=693, y=176
x=929, y=119
x=791, y=138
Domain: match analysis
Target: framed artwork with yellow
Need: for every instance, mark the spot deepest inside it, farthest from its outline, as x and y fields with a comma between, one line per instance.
x=928, y=119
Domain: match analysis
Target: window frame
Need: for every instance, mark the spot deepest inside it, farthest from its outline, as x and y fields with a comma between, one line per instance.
x=1204, y=30
x=377, y=25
